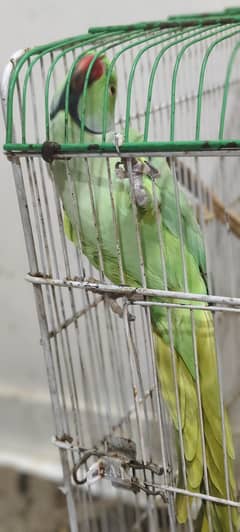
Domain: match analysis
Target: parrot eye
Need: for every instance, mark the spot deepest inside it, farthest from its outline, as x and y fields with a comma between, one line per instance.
x=112, y=90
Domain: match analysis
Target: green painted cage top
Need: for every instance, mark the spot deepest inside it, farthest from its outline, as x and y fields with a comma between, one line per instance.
x=177, y=80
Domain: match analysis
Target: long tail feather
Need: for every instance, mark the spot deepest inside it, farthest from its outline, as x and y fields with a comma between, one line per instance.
x=189, y=428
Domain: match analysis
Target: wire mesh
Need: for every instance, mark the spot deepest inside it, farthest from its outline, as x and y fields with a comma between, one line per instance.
x=115, y=275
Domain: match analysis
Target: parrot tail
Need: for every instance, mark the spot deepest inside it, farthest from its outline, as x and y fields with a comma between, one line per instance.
x=189, y=425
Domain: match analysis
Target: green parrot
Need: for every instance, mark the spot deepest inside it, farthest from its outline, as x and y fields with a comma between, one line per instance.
x=101, y=249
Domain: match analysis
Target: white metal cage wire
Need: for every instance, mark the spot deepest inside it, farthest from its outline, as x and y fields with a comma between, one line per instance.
x=100, y=362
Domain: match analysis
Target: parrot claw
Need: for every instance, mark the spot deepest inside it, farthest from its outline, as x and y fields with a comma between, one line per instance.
x=117, y=309
x=120, y=170
x=92, y=280
x=141, y=196
x=140, y=169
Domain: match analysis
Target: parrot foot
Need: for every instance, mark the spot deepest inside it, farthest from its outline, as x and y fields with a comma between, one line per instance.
x=139, y=169
x=114, y=305
x=117, y=309
x=92, y=280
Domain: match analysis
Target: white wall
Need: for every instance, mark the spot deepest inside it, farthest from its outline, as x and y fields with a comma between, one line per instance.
x=22, y=371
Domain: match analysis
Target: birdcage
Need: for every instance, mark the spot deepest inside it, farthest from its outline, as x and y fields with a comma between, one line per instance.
x=106, y=205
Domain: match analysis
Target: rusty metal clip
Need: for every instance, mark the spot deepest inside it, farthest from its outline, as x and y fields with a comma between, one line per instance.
x=114, y=462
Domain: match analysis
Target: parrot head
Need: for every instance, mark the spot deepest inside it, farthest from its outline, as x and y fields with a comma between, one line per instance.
x=90, y=103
